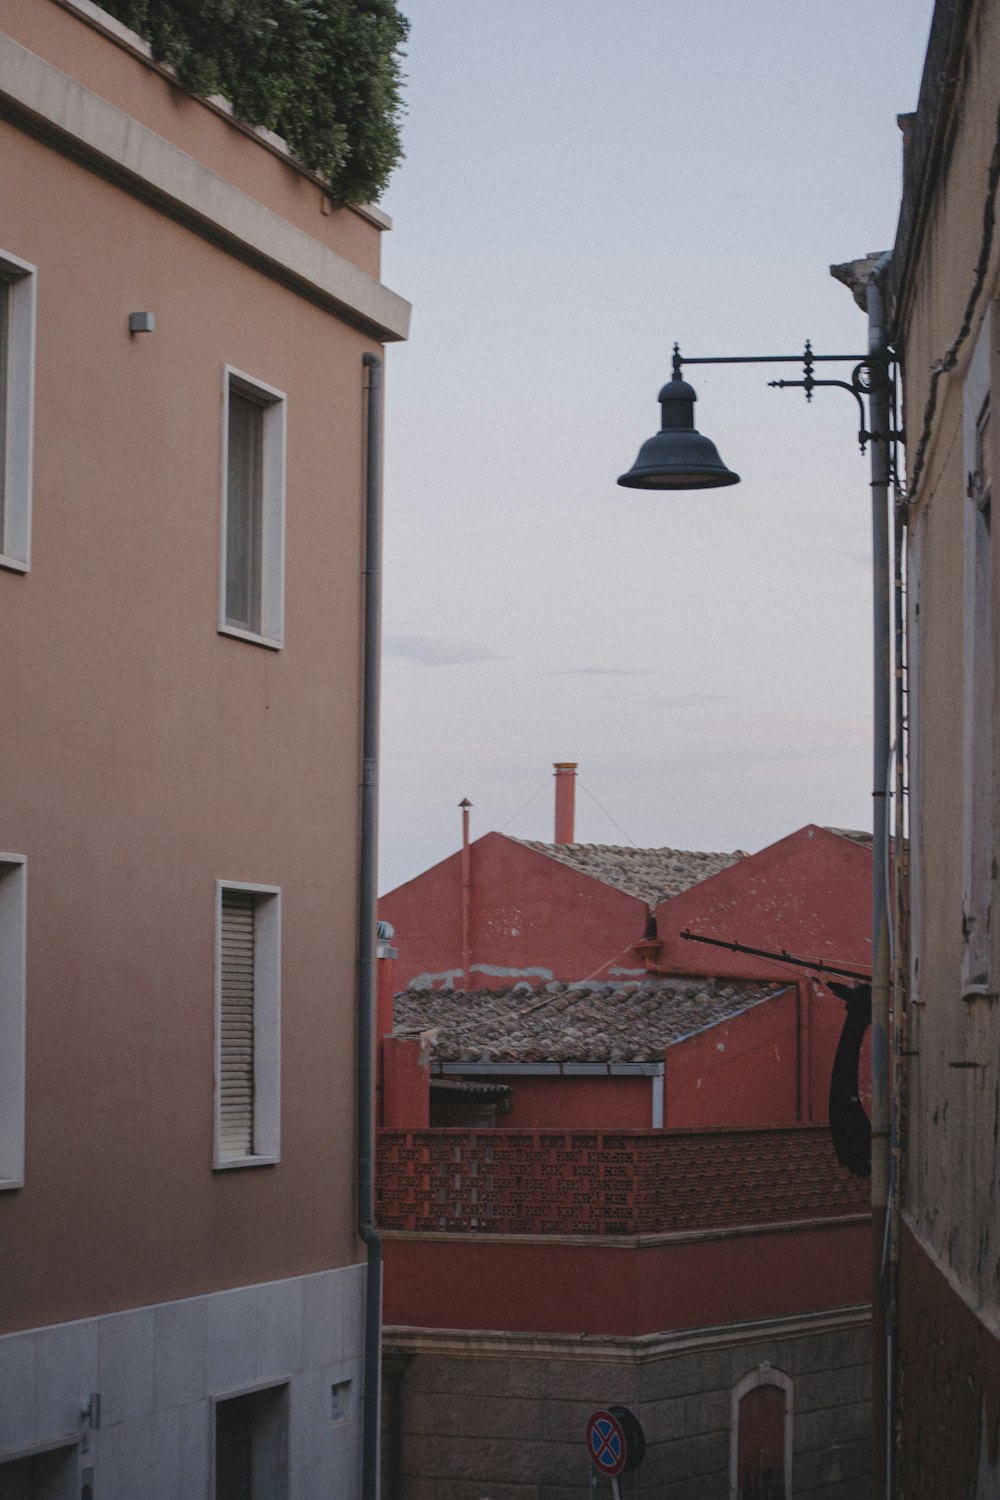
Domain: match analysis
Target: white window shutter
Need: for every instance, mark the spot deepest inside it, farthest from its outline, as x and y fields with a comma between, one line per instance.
x=236, y=1111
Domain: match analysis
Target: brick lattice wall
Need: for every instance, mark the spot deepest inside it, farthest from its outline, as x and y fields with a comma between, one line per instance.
x=628, y=1182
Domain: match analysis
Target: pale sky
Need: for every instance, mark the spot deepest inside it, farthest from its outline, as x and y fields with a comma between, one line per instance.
x=585, y=182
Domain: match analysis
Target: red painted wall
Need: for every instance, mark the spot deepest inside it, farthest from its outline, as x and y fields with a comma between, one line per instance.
x=623, y=1287
x=528, y=913
x=741, y=1072
x=809, y=894
x=406, y=1073
x=950, y=1368
x=579, y=1103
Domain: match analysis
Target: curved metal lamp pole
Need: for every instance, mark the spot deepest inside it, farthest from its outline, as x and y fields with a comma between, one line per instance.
x=679, y=458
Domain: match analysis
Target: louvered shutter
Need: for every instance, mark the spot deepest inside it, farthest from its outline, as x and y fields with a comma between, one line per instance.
x=237, y=1051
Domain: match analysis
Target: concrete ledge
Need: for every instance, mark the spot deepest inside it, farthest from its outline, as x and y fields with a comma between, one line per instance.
x=485, y=1344
x=58, y=110
x=622, y=1241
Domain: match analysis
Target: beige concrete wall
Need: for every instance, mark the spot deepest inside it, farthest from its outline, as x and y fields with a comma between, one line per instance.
x=73, y=39
x=951, y=1186
x=145, y=756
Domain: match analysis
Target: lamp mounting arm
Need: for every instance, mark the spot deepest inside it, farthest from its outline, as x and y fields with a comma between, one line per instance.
x=869, y=373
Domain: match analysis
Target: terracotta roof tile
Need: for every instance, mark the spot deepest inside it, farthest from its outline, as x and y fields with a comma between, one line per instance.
x=650, y=874
x=631, y=1022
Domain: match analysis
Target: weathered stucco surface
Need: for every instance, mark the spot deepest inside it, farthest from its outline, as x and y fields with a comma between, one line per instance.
x=950, y=1275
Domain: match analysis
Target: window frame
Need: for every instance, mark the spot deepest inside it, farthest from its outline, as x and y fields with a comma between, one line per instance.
x=274, y=404
x=978, y=972
x=266, y=1027
x=13, y=1012
x=19, y=279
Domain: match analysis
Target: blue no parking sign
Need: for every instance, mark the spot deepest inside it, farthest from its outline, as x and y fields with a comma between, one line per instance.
x=606, y=1443
x=615, y=1441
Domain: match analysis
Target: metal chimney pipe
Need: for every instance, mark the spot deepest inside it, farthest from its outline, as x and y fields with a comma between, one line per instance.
x=565, y=773
x=465, y=805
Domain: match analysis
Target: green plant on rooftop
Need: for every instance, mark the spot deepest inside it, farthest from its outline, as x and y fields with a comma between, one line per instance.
x=324, y=74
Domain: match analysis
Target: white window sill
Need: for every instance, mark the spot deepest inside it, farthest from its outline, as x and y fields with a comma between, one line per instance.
x=9, y=1184
x=979, y=991
x=244, y=1161
x=14, y=564
x=248, y=635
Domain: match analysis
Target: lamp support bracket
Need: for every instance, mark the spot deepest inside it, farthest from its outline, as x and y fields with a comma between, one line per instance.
x=869, y=374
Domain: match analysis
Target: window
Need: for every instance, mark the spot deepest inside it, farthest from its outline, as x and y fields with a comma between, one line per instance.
x=17, y=397
x=251, y=1446
x=253, y=511
x=248, y=1020
x=760, y=1438
x=978, y=678
x=13, y=934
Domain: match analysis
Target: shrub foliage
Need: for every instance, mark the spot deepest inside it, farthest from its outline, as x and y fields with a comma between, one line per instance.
x=324, y=74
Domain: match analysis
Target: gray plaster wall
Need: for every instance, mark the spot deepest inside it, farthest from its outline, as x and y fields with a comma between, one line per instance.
x=159, y=1370
x=496, y=1424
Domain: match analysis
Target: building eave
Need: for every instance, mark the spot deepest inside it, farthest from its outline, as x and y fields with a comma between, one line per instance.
x=48, y=104
x=926, y=152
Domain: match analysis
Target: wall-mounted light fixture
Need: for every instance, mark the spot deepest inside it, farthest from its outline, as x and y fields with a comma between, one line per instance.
x=680, y=458
x=142, y=322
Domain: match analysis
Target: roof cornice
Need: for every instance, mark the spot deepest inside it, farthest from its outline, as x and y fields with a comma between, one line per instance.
x=58, y=110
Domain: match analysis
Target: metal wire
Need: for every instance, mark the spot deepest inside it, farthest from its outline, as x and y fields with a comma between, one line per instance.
x=606, y=813
x=533, y=798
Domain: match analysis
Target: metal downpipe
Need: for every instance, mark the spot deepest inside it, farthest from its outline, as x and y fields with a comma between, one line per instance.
x=367, y=923
x=879, y=423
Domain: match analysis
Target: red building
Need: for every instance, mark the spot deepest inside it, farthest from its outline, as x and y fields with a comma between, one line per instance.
x=643, y=1204
x=502, y=910
x=663, y=1053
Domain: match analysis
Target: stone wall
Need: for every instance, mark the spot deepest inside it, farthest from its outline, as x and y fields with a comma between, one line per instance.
x=480, y=1416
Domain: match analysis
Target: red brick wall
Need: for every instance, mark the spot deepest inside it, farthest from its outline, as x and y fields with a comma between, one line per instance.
x=630, y=1182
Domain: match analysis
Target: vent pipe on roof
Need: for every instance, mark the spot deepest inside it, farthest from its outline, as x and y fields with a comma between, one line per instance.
x=565, y=773
x=465, y=805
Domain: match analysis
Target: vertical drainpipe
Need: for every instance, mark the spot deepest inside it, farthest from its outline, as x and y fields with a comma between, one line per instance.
x=900, y=978
x=465, y=805
x=657, y=1097
x=802, y=1100
x=367, y=924
x=879, y=422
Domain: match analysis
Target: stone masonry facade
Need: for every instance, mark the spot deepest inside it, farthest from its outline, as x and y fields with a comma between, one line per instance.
x=474, y=1416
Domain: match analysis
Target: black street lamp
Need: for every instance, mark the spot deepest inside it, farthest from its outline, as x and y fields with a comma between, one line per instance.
x=680, y=458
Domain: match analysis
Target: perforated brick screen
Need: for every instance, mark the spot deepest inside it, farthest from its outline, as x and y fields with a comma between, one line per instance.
x=629, y=1182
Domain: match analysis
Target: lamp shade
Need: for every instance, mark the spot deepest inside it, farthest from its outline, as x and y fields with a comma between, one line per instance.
x=677, y=457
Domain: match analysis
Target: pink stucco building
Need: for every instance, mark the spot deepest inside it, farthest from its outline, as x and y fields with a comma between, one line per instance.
x=184, y=320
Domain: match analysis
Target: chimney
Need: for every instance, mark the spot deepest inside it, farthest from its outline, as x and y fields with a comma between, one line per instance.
x=565, y=772
x=466, y=805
